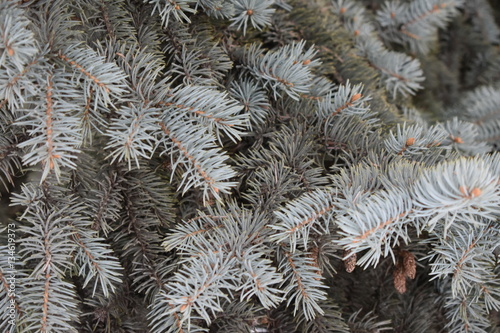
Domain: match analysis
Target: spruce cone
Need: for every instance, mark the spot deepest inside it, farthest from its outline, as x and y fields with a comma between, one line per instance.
x=350, y=263
x=409, y=264
x=399, y=279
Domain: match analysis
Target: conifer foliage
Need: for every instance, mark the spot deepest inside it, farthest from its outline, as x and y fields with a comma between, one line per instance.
x=249, y=166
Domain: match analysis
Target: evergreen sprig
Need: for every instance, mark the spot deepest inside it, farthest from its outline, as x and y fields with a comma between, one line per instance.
x=230, y=165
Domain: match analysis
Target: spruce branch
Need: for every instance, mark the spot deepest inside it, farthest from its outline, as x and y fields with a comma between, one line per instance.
x=302, y=284
x=95, y=258
x=260, y=279
x=17, y=86
x=320, y=89
x=352, y=135
x=17, y=43
x=414, y=140
x=133, y=134
x=287, y=69
x=105, y=79
x=192, y=67
x=401, y=73
x=258, y=13
x=197, y=289
x=220, y=9
x=178, y=9
x=144, y=69
x=254, y=100
x=105, y=203
x=467, y=259
x=9, y=160
x=481, y=105
x=348, y=99
x=106, y=19
x=415, y=24
x=376, y=226
x=49, y=300
x=309, y=212
x=211, y=108
x=465, y=137
x=201, y=59
x=464, y=189
x=465, y=314
x=191, y=233
x=53, y=126
x=201, y=161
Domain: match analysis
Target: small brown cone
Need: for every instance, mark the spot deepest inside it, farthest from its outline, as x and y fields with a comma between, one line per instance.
x=355, y=97
x=409, y=264
x=350, y=263
x=410, y=142
x=399, y=279
x=476, y=192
